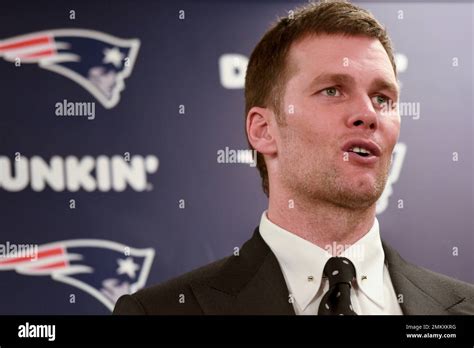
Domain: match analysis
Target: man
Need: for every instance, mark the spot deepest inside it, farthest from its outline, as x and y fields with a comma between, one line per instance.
x=321, y=93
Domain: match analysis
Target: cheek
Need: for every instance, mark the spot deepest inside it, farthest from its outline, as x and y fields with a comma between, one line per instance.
x=315, y=121
x=311, y=130
x=308, y=137
x=389, y=126
x=298, y=143
x=392, y=132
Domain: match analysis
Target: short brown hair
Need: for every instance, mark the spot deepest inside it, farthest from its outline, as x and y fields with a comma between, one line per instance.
x=268, y=71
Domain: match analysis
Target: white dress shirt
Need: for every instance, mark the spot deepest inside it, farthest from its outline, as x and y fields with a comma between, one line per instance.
x=302, y=264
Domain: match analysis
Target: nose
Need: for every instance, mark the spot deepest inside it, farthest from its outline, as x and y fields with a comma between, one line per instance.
x=365, y=116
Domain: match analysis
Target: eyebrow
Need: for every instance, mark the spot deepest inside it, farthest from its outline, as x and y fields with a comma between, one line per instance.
x=383, y=85
x=378, y=84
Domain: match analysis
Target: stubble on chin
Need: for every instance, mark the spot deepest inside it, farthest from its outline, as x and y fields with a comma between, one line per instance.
x=323, y=183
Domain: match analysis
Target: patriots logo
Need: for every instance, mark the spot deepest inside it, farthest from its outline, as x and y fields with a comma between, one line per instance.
x=97, y=61
x=102, y=268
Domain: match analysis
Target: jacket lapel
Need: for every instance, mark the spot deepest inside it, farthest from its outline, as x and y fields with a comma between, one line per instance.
x=250, y=283
x=253, y=283
x=409, y=283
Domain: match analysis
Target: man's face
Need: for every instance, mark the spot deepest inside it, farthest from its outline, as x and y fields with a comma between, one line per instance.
x=336, y=102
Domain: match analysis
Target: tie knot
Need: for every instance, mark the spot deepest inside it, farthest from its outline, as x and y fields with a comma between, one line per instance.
x=339, y=270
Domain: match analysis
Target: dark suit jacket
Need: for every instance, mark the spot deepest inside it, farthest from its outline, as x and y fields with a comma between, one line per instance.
x=253, y=283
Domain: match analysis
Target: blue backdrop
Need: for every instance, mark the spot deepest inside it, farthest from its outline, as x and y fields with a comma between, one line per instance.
x=130, y=191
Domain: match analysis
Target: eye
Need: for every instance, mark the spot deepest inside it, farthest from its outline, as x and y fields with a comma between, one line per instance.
x=382, y=100
x=331, y=92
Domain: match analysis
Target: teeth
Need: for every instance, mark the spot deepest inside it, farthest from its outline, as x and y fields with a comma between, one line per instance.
x=360, y=150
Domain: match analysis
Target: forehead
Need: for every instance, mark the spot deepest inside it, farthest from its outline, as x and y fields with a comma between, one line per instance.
x=356, y=55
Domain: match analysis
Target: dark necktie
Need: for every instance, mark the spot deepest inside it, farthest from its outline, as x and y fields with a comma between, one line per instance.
x=337, y=300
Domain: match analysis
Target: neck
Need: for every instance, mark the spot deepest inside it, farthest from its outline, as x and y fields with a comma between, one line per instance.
x=319, y=222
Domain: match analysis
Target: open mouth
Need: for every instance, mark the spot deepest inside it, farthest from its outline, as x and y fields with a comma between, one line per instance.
x=362, y=148
x=360, y=151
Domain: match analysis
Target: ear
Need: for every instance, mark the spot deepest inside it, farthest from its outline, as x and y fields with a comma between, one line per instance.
x=260, y=130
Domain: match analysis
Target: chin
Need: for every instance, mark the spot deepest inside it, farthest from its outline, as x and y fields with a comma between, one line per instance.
x=358, y=200
x=359, y=194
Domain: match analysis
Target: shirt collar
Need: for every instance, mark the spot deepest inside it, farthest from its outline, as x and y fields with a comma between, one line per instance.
x=300, y=259
x=368, y=258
